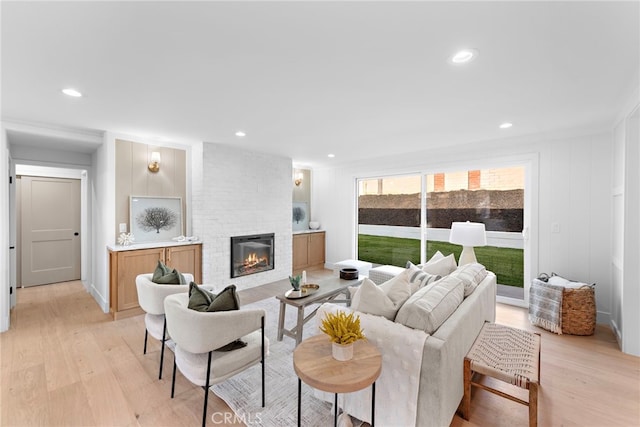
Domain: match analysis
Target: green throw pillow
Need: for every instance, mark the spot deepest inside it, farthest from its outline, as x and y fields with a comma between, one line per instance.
x=202, y=300
x=164, y=275
x=160, y=271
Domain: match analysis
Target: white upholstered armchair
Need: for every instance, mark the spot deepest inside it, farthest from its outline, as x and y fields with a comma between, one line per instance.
x=197, y=335
x=151, y=299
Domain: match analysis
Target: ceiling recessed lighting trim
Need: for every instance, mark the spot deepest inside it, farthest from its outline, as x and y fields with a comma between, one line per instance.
x=240, y=133
x=464, y=56
x=331, y=155
x=506, y=125
x=72, y=92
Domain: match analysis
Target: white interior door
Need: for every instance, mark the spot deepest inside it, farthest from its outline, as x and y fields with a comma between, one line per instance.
x=50, y=230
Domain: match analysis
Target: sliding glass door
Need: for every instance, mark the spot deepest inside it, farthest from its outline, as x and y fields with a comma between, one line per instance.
x=408, y=218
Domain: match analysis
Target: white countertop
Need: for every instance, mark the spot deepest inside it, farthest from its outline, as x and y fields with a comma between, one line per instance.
x=307, y=231
x=149, y=245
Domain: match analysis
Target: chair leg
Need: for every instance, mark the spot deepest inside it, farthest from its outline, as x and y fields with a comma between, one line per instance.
x=262, y=360
x=466, y=398
x=146, y=333
x=164, y=334
x=206, y=392
x=533, y=404
x=173, y=379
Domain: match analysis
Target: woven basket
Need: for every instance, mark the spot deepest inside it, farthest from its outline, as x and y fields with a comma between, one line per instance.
x=579, y=311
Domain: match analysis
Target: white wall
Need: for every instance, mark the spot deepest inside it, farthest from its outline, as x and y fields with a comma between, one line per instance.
x=573, y=191
x=238, y=192
x=103, y=217
x=4, y=232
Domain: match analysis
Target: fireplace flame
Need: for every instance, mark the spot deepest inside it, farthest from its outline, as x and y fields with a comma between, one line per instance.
x=254, y=260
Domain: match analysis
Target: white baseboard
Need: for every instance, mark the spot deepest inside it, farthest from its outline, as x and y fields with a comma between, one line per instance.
x=101, y=300
x=616, y=332
x=511, y=301
x=603, y=317
x=4, y=324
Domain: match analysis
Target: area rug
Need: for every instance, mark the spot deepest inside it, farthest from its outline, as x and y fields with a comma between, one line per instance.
x=242, y=392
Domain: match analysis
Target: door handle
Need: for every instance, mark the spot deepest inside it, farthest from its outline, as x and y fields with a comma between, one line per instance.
x=76, y=234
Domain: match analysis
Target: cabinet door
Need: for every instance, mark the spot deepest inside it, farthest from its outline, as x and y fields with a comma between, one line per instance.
x=186, y=259
x=300, y=251
x=130, y=264
x=316, y=249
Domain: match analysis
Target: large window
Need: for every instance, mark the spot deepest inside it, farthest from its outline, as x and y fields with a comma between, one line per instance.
x=409, y=218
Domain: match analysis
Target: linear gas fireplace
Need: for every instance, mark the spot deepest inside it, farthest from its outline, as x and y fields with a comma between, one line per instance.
x=251, y=254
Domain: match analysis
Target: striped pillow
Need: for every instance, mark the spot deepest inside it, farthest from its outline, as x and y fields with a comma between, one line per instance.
x=419, y=278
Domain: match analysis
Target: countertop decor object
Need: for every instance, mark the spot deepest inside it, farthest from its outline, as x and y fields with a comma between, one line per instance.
x=349, y=273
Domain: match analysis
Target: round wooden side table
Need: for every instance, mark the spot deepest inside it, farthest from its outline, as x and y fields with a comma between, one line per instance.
x=314, y=364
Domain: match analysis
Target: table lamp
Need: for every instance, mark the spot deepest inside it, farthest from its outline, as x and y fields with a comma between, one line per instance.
x=468, y=234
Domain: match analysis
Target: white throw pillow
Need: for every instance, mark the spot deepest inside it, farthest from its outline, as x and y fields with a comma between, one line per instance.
x=383, y=300
x=471, y=275
x=428, y=308
x=418, y=278
x=441, y=266
x=438, y=255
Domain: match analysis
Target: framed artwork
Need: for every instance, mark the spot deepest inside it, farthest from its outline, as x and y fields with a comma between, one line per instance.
x=155, y=219
x=300, y=216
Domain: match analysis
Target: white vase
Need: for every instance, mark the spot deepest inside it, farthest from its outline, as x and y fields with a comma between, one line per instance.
x=342, y=352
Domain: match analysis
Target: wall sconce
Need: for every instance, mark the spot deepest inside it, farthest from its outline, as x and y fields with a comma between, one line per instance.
x=297, y=178
x=154, y=164
x=468, y=234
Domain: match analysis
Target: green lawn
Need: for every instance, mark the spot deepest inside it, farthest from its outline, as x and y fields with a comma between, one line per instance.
x=507, y=263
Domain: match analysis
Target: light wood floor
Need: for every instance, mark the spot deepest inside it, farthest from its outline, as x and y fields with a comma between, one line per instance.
x=65, y=363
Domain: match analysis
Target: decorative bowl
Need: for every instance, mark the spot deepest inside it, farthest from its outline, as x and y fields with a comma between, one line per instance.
x=314, y=225
x=349, y=273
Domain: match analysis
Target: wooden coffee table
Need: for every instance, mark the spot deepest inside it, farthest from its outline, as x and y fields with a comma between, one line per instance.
x=314, y=364
x=329, y=290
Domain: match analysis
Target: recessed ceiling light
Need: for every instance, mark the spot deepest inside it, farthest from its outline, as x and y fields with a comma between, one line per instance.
x=240, y=133
x=506, y=125
x=464, y=56
x=331, y=155
x=72, y=92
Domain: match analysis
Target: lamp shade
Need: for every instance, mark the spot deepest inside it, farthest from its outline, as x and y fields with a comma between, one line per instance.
x=468, y=234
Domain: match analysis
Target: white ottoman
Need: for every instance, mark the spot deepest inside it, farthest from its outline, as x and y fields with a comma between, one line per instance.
x=362, y=266
x=381, y=274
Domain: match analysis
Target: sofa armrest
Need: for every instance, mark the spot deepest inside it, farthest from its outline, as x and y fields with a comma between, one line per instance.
x=441, y=379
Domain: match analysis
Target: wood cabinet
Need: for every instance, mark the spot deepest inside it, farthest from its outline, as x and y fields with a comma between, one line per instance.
x=126, y=264
x=308, y=251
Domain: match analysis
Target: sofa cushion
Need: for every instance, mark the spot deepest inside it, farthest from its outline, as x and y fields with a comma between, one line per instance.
x=471, y=275
x=440, y=266
x=383, y=300
x=428, y=308
x=418, y=278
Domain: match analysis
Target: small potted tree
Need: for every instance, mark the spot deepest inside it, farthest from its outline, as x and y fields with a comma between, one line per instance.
x=295, y=284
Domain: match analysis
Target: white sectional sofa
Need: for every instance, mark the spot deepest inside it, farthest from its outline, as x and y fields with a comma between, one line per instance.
x=421, y=382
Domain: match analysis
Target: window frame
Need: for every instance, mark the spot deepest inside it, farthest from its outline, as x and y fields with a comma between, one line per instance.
x=529, y=161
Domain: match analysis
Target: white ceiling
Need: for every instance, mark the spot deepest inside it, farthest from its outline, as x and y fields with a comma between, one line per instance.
x=304, y=79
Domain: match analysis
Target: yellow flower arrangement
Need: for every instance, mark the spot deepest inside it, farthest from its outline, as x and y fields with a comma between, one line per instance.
x=342, y=328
